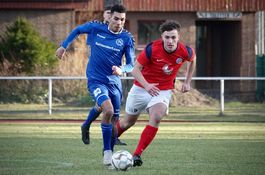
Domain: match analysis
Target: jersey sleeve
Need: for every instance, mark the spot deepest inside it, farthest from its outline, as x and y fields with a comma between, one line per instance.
x=129, y=55
x=145, y=56
x=191, y=53
x=81, y=29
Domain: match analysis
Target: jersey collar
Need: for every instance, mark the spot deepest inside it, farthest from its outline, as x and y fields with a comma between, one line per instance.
x=115, y=32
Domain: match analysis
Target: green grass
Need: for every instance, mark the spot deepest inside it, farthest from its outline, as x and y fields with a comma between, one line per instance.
x=234, y=112
x=179, y=148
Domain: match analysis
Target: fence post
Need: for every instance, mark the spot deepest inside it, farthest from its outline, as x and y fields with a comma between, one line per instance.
x=222, y=82
x=50, y=96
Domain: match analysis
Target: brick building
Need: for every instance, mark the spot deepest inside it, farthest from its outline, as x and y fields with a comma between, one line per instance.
x=223, y=32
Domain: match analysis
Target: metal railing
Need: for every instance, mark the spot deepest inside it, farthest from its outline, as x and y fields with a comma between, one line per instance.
x=50, y=79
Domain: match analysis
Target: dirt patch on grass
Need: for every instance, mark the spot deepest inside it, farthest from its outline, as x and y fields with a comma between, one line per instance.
x=192, y=98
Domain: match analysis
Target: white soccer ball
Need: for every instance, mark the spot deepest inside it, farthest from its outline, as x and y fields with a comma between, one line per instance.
x=122, y=160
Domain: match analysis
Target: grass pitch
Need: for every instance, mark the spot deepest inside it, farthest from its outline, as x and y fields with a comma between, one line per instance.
x=179, y=148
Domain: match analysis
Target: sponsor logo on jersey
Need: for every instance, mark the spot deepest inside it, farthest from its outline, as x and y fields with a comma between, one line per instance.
x=167, y=70
x=119, y=42
x=178, y=60
x=159, y=60
x=107, y=47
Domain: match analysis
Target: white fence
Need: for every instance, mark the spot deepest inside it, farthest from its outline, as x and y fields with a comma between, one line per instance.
x=50, y=79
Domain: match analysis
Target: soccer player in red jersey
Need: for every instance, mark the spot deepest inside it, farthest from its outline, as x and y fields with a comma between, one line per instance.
x=155, y=71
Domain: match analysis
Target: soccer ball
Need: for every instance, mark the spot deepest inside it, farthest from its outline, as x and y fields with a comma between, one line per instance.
x=122, y=160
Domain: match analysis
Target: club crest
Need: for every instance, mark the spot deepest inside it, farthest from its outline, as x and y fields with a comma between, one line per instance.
x=119, y=42
x=178, y=60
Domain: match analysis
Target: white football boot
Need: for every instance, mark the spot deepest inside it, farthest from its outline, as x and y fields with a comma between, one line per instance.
x=107, y=157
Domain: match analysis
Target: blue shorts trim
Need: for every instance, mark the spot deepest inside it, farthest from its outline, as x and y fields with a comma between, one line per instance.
x=102, y=92
x=100, y=99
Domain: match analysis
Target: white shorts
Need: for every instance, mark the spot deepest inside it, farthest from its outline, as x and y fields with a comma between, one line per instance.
x=139, y=99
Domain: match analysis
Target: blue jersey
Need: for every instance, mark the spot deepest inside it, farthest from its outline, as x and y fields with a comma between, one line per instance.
x=107, y=50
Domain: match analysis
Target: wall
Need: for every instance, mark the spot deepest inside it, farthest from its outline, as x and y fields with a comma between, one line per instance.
x=52, y=24
x=187, y=20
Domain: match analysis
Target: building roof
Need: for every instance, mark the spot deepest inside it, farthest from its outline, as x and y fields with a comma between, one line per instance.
x=195, y=5
x=141, y=5
x=44, y=4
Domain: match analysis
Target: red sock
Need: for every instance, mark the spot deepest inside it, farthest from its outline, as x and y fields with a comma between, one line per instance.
x=147, y=136
x=119, y=129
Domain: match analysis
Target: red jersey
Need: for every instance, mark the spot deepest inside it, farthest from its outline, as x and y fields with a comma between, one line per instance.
x=162, y=67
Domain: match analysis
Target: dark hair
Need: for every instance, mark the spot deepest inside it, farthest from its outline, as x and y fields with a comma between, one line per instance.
x=107, y=7
x=118, y=8
x=169, y=25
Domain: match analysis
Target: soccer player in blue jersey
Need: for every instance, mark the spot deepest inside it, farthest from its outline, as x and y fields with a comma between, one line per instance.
x=96, y=111
x=108, y=43
x=107, y=14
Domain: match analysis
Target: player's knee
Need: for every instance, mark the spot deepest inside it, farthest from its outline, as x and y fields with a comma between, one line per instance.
x=115, y=119
x=109, y=112
x=157, y=121
x=154, y=122
x=99, y=109
x=156, y=118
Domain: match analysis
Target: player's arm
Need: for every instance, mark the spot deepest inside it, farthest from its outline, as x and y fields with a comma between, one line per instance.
x=85, y=28
x=149, y=87
x=130, y=56
x=127, y=68
x=190, y=69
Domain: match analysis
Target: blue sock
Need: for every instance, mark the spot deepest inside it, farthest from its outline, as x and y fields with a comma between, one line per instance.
x=93, y=114
x=114, y=134
x=113, y=141
x=106, y=133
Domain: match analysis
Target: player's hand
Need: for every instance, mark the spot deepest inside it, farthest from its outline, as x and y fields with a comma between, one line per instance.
x=152, y=89
x=60, y=52
x=116, y=70
x=185, y=87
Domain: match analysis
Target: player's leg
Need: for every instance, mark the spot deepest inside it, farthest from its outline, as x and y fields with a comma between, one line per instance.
x=106, y=127
x=149, y=132
x=157, y=109
x=115, y=96
x=100, y=93
x=115, y=93
x=93, y=115
x=115, y=132
x=125, y=123
x=136, y=102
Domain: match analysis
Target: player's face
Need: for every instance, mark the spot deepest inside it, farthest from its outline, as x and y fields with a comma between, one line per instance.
x=170, y=40
x=106, y=15
x=117, y=21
